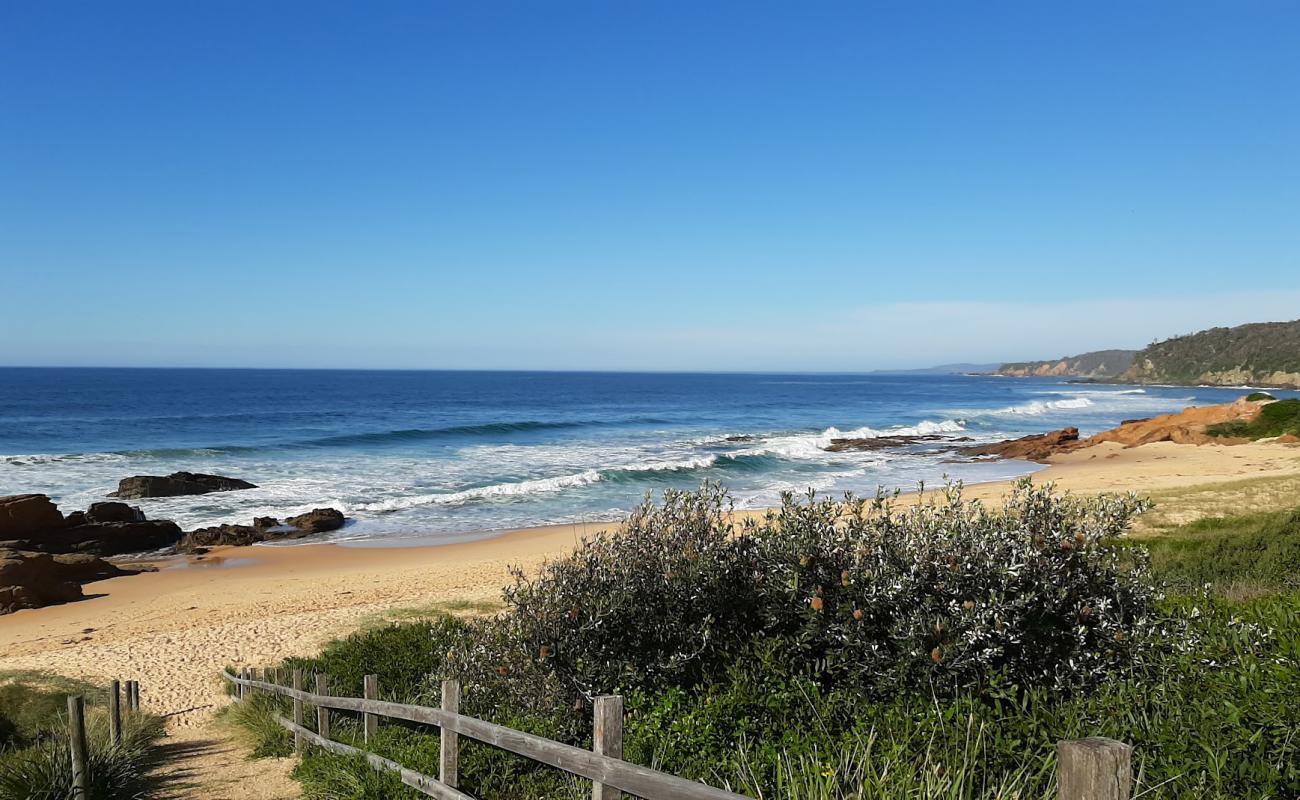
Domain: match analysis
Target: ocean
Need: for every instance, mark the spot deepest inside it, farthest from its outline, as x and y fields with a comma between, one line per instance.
x=441, y=456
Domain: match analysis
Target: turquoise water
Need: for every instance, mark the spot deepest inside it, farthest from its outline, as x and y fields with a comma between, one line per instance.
x=443, y=454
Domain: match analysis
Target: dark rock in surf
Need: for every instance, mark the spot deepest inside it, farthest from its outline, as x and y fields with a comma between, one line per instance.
x=318, y=520
x=878, y=443
x=113, y=512
x=177, y=484
x=263, y=529
x=1037, y=447
x=106, y=538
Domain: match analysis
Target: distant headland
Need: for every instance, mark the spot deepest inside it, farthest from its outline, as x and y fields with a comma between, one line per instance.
x=1255, y=354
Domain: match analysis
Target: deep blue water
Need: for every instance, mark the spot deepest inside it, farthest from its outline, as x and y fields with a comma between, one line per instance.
x=441, y=453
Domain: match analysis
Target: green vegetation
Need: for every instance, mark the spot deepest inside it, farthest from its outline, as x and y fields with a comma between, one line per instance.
x=1245, y=354
x=1251, y=554
x=1257, y=396
x=34, y=759
x=1275, y=419
x=861, y=650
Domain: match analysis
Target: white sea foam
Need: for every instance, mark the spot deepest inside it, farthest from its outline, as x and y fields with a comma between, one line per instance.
x=813, y=445
x=1037, y=408
x=535, y=486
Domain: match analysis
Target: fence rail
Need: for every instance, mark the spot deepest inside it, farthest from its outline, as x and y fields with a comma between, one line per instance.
x=609, y=774
x=1087, y=769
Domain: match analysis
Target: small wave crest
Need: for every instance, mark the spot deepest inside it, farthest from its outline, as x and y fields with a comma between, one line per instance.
x=1038, y=408
x=803, y=446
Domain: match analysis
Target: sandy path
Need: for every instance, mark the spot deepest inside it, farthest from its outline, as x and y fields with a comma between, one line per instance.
x=206, y=763
x=175, y=629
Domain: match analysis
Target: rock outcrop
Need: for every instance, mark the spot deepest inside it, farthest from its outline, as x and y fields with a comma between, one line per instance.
x=1037, y=447
x=23, y=513
x=105, y=538
x=1185, y=427
x=31, y=522
x=883, y=442
x=32, y=580
x=176, y=484
x=263, y=529
x=318, y=520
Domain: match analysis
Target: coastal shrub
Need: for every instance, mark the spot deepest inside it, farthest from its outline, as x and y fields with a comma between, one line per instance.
x=1275, y=419
x=407, y=657
x=1257, y=396
x=1216, y=719
x=938, y=594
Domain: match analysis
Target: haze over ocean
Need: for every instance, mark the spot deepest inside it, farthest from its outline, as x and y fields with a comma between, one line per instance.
x=431, y=454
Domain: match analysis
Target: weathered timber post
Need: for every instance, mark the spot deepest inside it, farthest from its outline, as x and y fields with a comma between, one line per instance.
x=607, y=739
x=370, y=722
x=297, y=711
x=133, y=695
x=115, y=712
x=77, y=747
x=449, y=740
x=322, y=713
x=1094, y=769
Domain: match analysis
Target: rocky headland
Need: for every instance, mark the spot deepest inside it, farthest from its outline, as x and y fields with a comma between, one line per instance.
x=1193, y=425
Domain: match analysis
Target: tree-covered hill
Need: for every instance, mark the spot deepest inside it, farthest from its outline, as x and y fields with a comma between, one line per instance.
x=1259, y=353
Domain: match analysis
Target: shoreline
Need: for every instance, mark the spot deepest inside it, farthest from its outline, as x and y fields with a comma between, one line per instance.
x=174, y=629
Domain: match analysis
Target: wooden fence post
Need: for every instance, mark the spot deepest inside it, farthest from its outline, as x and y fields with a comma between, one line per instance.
x=448, y=740
x=77, y=746
x=297, y=711
x=370, y=722
x=133, y=695
x=322, y=713
x=115, y=712
x=1094, y=769
x=607, y=739
x=127, y=690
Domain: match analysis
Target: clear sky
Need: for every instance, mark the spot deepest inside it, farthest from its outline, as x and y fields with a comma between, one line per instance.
x=623, y=185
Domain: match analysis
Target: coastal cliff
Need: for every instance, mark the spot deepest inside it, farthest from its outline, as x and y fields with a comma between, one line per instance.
x=1098, y=365
x=1260, y=353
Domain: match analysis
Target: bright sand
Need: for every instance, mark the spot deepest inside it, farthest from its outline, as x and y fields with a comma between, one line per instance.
x=175, y=629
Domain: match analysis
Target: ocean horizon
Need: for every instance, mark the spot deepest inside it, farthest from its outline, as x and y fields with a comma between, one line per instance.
x=446, y=455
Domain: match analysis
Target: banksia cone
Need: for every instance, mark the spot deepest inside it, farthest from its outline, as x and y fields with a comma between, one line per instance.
x=968, y=605
x=816, y=603
x=936, y=655
x=544, y=652
x=857, y=614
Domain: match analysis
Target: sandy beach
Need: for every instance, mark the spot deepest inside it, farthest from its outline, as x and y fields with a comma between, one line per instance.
x=174, y=629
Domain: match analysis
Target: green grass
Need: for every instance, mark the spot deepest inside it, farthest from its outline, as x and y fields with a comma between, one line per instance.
x=1248, y=553
x=34, y=759
x=1275, y=419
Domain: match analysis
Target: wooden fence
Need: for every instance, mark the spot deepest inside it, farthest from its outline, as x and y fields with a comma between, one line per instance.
x=1087, y=769
x=77, y=745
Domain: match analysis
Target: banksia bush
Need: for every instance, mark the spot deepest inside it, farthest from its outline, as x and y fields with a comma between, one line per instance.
x=942, y=593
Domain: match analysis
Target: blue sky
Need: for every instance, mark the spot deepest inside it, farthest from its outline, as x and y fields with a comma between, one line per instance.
x=623, y=185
